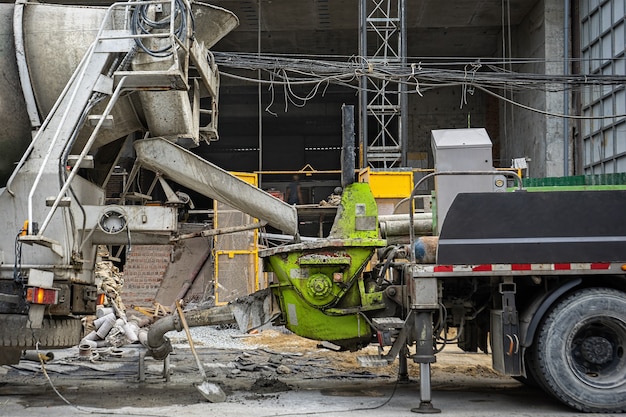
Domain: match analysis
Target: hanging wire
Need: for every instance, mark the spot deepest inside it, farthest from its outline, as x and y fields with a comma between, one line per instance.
x=485, y=74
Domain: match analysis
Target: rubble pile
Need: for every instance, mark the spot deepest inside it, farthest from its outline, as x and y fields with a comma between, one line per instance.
x=111, y=326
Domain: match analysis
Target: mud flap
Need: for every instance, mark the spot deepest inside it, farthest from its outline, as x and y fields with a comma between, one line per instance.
x=505, y=340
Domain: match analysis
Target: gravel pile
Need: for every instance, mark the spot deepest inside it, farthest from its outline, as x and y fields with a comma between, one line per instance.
x=214, y=337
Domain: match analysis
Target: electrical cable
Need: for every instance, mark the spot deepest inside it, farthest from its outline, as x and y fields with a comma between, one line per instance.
x=482, y=73
x=77, y=407
x=547, y=113
x=350, y=410
x=142, y=24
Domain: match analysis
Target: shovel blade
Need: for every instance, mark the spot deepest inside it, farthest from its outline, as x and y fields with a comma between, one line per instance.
x=212, y=392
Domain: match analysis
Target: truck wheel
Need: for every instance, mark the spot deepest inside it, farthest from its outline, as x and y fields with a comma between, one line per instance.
x=55, y=332
x=579, y=354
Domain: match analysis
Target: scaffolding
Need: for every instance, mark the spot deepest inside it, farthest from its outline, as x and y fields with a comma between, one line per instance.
x=383, y=103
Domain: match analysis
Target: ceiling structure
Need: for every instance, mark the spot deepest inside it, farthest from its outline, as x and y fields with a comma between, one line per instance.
x=455, y=28
x=463, y=28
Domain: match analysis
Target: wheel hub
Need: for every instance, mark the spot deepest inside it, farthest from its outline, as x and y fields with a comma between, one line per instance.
x=597, y=350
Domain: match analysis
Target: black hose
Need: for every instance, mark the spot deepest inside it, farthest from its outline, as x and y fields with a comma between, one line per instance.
x=141, y=24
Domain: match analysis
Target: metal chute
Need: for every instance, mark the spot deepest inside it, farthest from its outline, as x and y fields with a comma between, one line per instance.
x=191, y=171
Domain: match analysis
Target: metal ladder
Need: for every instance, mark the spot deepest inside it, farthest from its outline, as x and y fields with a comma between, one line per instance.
x=66, y=116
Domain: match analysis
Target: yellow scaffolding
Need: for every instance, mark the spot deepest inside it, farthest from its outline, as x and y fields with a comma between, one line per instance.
x=236, y=255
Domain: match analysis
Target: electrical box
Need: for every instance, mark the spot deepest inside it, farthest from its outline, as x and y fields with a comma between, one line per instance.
x=462, y=150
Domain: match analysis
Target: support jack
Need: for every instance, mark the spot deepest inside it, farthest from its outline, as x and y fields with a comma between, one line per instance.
x=426, y=407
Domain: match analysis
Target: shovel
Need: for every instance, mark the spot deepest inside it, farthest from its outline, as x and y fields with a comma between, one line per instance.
x=212, y=392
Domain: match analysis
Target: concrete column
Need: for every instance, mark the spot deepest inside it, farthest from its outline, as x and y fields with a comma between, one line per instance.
x=554, y=15
x=526, y=133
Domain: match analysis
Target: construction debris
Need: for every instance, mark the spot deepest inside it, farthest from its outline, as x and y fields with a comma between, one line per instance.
x=111, y=326
x=333, y=199
x=157, y=311
x=31, y=355
x=111, y=283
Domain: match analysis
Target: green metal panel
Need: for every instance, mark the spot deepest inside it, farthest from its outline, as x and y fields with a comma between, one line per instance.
x=577, y=180
x=324, y=284
x=310, y=322
x=357, y=215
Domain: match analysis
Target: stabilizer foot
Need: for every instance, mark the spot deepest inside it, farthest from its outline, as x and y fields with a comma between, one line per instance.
x=425, y=407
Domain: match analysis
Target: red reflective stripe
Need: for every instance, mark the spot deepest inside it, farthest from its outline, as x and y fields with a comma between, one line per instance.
x=484, y=267
x=517, y=267
x=443, y=268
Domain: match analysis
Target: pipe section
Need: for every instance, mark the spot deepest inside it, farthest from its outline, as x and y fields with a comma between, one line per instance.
x=401, y=227
x=160, y=346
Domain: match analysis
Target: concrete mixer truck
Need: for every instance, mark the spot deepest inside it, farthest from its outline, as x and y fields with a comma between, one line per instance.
x=81, y=86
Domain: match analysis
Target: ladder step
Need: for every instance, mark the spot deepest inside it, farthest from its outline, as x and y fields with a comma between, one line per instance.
x=43, y=241
x=386, y=323
x=94, y=119
x=153, y=80
x=63, y=202
x=371, y=361
x=134, y=196
x=87, y=161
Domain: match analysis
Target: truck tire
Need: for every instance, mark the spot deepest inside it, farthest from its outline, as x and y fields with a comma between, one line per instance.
x=579, y=354
x=55, y=332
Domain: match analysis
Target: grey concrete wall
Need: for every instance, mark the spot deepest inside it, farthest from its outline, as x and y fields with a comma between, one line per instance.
x=526, y=133
x=440, y=109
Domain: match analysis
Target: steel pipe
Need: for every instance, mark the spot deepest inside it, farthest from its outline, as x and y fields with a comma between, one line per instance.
x=160, y=346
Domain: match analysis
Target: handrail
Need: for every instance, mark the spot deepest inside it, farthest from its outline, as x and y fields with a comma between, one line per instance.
x=54, y=140
x=80, y=70
x=116, y=94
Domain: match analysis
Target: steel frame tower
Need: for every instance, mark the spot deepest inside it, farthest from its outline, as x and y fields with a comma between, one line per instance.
x=383, y=103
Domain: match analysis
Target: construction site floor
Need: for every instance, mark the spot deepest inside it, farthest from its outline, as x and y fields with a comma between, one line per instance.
x=270, y=374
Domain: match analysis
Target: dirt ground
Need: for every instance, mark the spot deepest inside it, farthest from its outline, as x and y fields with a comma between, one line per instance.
x=451, y=361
